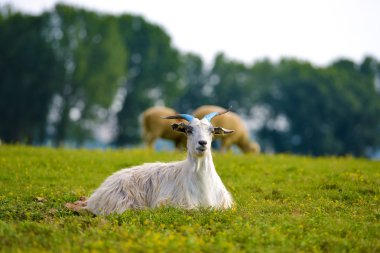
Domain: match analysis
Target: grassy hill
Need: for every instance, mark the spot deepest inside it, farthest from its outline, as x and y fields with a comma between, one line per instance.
x=284, y=204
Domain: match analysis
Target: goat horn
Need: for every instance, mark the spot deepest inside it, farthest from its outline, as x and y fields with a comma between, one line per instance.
x=180, y=116
x=214, y=114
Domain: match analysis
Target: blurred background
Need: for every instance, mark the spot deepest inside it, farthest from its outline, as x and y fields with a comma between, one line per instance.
x=303, y=75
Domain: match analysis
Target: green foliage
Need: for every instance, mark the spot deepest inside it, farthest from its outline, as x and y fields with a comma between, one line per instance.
x=195, y=84
x=153, y=73
x=284, y=204
x=230, y=85
x=62, y=71
x=93, y=57
x=330, y=110
x=28, y=71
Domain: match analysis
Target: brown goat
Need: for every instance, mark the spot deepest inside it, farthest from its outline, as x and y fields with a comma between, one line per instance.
x=155, y=127
x=230, y=121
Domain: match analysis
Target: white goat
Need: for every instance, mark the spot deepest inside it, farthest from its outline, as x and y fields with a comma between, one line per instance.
x=186, y=184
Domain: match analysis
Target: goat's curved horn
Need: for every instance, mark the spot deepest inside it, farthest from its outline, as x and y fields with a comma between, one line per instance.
x=214, y=114
x=180, y=116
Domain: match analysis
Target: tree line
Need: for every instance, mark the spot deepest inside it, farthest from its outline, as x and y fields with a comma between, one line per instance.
x=68, y=70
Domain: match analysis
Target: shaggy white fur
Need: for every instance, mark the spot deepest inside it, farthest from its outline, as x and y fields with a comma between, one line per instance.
x=186, y=184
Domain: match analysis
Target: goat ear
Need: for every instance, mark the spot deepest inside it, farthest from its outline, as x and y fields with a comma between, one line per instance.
x=181, y=127
x=221, y=130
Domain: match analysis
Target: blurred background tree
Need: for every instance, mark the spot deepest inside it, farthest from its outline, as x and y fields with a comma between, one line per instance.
x=322, y=111
x=195, y=87
x=68, y=70
x=152, y=73
x=93, y=58
x=228, y=81
x=28, y=78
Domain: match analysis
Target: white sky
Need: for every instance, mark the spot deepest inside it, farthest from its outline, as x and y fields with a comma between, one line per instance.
x=316, y=30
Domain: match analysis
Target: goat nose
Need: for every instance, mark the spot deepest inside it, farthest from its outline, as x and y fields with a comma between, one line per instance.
x=202, y=143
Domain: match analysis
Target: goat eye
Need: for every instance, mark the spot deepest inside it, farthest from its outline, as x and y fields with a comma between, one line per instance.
x=189, y=130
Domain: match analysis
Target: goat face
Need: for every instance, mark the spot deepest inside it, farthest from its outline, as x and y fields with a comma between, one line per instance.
x=199, y=132
x=199, y=135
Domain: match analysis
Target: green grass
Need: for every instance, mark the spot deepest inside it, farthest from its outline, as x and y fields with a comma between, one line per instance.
x=284, y=204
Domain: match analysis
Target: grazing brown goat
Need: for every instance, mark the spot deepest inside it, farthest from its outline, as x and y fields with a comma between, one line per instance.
x=155, y=127
x=230, y=121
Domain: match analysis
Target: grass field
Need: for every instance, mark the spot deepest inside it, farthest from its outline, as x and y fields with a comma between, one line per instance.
x=284, y=204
